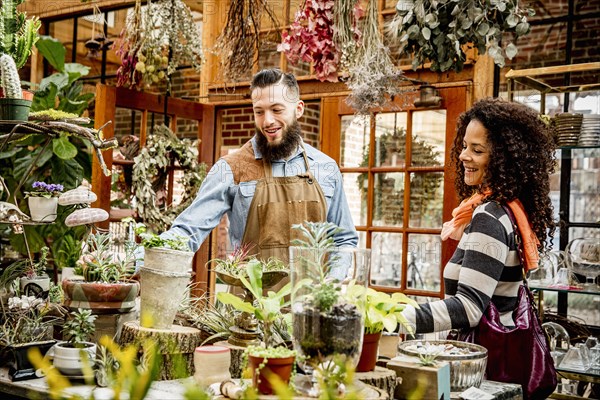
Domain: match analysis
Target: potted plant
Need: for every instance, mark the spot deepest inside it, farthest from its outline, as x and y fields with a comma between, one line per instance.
x=381, y=311
x=18, y=35
x=106, y=285
x=442, y=31
x=36, y=281
x=43, y=201
x=27, y=323
x=77, y=353
x=165, y=273
x=273, y=358
x=13, y=106
x=325, y=324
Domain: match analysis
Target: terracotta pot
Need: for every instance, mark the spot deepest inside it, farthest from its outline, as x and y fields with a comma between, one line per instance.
x=282, y=367
x=26, y=94
x=102, y=298
x=369, y=353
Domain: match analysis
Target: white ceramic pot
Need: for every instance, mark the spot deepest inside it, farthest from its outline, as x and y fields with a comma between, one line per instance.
x=69, y=360
x=37, y=286
x=43, y=209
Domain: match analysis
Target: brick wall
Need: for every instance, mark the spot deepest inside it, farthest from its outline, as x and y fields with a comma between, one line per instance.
x=546, y=44
x=238, y=125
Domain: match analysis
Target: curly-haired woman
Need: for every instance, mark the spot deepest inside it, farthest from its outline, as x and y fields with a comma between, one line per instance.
x=504, y=157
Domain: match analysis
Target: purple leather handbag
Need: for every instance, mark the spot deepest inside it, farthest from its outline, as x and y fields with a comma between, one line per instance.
x=520, y=354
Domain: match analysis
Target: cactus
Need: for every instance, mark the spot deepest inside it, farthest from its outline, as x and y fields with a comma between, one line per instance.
x=9, y=78
x=17, y=33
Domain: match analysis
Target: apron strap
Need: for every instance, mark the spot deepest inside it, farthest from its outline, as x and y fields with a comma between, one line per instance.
x=269, y=170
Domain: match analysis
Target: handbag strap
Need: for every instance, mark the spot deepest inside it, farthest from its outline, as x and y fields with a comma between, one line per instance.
x=518, y=240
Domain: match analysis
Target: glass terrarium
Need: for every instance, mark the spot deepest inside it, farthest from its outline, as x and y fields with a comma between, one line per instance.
x=326, y=324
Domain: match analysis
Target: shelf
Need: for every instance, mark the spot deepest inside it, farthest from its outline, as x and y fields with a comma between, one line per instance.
x=590, y=375
x=35, y=223
x=563, y=289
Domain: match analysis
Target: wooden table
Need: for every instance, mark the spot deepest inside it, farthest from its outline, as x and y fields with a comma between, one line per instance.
x=160, y=390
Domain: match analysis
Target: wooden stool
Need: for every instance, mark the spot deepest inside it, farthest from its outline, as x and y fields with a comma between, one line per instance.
x=174, y=345
x=382, y=378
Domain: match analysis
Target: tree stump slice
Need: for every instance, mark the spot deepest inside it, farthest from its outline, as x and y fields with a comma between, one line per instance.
x=176, y=345
x=237, y=358
x=382, y=378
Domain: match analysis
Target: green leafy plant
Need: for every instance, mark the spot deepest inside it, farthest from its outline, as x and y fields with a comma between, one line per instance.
x=266, y=309
x=152, y=240
x=62, y=90
x=381, y=310
x=26, y=319
x=79, y=328
x=98, y=263
x=442, y=31
x=18, y=33
x=234, y=264
x=65, y=159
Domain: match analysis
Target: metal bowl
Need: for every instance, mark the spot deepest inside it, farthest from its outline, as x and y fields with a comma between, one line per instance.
x=466, y=370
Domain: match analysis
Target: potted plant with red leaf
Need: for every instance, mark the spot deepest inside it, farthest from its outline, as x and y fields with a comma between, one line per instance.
x=273, y=358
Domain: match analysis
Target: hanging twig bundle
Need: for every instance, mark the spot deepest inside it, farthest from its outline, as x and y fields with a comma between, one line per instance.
x=240, y=38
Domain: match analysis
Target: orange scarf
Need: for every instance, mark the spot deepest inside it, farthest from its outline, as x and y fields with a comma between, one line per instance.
x=462, y=215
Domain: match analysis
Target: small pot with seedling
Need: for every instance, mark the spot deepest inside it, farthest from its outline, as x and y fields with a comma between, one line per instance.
x=76, y=355
x=273, y=358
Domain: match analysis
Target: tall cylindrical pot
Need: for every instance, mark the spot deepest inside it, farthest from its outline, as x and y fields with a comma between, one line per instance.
x=168, y=260
x=161, y=293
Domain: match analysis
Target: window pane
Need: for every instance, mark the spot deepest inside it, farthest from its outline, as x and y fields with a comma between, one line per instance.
x=426, y=199
x=424, y=255
x=386, y=259
x=357, y=199
x=354, y=141
x=268, y=56
x=585, y=185
x=429, y=137
x=389, y=199
x=390, y=136
x=309, y=123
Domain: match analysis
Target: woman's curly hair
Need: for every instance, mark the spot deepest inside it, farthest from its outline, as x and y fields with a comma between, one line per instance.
x=521, y=159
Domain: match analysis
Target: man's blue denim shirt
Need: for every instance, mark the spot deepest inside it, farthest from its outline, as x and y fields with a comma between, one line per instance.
x=219, y=195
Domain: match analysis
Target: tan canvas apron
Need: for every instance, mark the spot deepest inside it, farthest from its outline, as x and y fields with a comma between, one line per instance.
x=279, y=203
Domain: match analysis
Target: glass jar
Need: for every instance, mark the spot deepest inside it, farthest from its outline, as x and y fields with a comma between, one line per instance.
x=328, y=322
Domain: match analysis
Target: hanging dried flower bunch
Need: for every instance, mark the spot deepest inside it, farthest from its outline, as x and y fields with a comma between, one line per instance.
x=346, y=33
x=373, y=76
x=240, y=38
x=157, y=40
x=310, y=39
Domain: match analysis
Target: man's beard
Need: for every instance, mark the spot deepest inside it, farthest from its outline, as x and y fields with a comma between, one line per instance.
x=289, y=143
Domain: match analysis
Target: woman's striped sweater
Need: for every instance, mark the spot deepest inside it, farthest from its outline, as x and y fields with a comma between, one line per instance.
x=484, y=266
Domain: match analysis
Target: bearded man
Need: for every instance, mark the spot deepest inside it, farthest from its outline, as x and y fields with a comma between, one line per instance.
x=272, y=182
